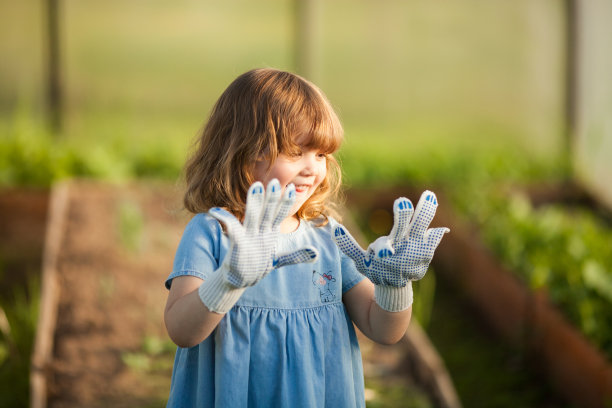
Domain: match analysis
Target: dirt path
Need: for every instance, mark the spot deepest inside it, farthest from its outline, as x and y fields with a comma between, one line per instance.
x=117, y=251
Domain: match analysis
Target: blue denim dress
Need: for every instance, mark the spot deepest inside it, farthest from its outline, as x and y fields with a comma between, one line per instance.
x=288, y=342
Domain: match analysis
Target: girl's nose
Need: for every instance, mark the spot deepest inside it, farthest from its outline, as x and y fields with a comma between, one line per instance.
x=307, y=171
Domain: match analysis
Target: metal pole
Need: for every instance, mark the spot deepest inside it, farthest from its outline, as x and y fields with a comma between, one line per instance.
x=54, y=89
x=572, y=73
x=306, y=47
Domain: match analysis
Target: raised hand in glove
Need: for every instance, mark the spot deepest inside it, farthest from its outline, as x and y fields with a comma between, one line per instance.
x=253, y=246
x=393, y=261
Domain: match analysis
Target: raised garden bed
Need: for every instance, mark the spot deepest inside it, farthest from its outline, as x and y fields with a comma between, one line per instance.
x=101, y=340
x=23, y=213
x=577, y=370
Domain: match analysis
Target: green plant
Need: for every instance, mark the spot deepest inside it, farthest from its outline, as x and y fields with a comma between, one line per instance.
x=424, y=293
x=394, y=394
x=31, y=156
x=151, y=366
x=18, y=319
x=562, y=251
x=130, y=225
x=155, y=355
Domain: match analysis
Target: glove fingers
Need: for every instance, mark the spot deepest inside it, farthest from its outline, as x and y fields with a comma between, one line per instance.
x=270, y=205
x=285, y=206
x=381, y=247
x=232, y=225
x=402, y=212
x=424, y=214
x=254, y=204
x=348, y=244
x=306, y=254
x=434, y=236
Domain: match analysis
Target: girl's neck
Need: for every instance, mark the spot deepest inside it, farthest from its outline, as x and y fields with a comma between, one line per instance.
x=289, y=224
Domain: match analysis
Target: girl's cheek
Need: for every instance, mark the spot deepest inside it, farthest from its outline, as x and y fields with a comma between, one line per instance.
x=322, y=170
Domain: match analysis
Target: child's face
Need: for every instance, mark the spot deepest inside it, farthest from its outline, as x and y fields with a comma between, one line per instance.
x=306, y=171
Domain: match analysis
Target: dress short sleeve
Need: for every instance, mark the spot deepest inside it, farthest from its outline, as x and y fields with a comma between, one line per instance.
x=200, y=249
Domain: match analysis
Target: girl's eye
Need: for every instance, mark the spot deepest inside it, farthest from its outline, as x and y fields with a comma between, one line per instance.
x=321, y=155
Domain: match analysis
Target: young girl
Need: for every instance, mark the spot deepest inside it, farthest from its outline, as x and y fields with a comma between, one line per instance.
x=266, y=285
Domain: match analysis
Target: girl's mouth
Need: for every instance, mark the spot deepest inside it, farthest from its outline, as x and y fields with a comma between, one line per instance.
x=301, y=188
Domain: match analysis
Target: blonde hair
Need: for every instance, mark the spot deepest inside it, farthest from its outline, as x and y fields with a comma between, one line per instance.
x=261, y=114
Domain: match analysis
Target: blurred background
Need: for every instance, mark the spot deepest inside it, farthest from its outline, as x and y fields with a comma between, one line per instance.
x=485, y=102
x=136, y=78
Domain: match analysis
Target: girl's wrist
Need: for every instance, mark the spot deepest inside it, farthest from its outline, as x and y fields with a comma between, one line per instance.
x=392, y=298
x=217, y=294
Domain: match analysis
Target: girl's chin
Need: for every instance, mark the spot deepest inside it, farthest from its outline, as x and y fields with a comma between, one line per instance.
x=296, y=206
x=294, y=210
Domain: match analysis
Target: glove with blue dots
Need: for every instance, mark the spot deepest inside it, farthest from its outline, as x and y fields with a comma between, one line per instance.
x=253, y=246
x=392, y=262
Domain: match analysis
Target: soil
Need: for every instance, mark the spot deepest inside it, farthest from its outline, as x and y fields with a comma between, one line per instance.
x=117, y=250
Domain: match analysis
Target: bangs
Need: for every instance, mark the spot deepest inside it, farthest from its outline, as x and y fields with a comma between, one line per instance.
x=323, y=137
x=315, y=127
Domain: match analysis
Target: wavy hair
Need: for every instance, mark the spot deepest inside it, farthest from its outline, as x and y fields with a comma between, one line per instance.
x=262, y=114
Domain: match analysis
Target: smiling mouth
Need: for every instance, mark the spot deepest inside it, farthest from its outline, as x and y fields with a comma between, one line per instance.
x=301, y=188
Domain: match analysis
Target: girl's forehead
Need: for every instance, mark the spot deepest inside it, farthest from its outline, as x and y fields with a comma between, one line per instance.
x=303, y=138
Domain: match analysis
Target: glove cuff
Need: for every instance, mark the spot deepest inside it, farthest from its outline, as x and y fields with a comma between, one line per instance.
x=393, y=299
x=217, y=294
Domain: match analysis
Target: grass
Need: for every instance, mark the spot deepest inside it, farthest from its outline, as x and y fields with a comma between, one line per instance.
x=394, y=394
x=18, y=318
x=156, y=354
x=130, y=225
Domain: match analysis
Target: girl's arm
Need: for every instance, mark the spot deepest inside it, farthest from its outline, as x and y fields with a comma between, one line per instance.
x=381, y=306
x=187, y=320
x=376, y=323
x=195, y=307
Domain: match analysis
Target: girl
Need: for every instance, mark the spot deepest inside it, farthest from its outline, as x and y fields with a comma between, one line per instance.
x=266, y=285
